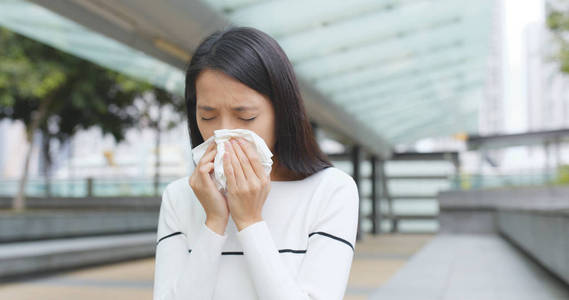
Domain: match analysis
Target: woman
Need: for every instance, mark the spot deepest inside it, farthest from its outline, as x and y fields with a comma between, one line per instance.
x=288, y=235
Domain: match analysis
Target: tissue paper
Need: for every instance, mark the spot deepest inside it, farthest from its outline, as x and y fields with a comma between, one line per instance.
x=220, y=137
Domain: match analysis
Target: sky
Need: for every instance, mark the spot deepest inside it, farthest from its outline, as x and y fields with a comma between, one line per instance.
x=515, y=18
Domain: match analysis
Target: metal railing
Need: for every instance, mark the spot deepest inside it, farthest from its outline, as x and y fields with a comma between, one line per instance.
x=516, y=178
x=100, y=187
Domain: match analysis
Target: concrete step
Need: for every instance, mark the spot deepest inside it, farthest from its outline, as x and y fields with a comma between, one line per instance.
x=38, y=257
x=88, y=203
x=542, y=233
x=49, y=224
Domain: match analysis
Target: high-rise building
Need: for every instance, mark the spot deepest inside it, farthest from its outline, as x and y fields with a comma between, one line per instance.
x=491, y=117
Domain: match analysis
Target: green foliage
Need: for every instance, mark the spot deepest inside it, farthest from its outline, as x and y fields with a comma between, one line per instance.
x=563, y=175
x=76, y=94
x=558, y=23
x=80, y=94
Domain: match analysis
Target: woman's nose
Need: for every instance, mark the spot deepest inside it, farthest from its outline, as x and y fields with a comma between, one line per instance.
x=228, y=124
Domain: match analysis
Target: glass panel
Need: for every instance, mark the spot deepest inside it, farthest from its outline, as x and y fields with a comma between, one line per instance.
x=406, y=68
x=47, y=27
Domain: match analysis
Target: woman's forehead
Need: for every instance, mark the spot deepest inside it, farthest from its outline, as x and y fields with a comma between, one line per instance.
x=235, y=101
x=214, y=88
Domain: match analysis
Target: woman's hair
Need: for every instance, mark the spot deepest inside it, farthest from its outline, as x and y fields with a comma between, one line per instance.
x=256, y=60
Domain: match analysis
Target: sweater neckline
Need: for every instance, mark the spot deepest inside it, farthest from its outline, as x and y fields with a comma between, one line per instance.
x=295, y=181
x=288, y=181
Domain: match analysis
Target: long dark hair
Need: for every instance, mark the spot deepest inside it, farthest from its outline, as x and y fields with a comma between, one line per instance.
x=255, y=59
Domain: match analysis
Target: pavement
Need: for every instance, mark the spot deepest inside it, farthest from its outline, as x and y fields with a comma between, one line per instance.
x=376, y=260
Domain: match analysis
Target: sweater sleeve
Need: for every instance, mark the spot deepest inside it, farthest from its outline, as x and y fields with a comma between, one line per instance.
x=182, y=273
x=325, y=269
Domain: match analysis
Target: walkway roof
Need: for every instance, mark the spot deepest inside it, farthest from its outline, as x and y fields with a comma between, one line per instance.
x=377, y=72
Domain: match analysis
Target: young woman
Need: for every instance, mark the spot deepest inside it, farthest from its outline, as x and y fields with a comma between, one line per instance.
x=288, y=235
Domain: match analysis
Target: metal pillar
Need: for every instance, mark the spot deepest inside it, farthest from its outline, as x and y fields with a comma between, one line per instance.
x=480, y=178
x=385, y=195
x=547, y=162
x=356, y=176
x=375, y=216
x=89, y=187
x=456, y=163
x=558, y=160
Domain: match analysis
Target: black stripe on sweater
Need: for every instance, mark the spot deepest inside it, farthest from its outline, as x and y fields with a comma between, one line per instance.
x=295, y=251
x=333, y=237
x=241, y=252
x=170, y=235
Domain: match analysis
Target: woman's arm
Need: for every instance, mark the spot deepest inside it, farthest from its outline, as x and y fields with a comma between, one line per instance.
x=179, y=273
x=325, y=269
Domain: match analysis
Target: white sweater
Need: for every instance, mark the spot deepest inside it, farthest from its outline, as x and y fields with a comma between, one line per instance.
x=303, y=248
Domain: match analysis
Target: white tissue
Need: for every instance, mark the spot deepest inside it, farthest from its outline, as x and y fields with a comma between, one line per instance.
x=220, y=137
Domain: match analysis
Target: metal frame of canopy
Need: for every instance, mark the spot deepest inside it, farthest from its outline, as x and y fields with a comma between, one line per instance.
x=171, y=30
x=357, y=62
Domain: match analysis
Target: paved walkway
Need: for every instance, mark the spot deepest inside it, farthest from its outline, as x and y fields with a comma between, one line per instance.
x=376, y=260
x=471, y=267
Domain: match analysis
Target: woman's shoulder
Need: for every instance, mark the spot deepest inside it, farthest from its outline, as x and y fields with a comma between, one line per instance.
x=336, y=176
x=337, y=184
x=328, y=181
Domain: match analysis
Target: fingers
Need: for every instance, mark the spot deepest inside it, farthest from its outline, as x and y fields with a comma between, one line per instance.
x=209, y=154
x=206, y=168
x=243, y=160
x=205, y=165
x=228, y=168
x=240, y=179
x=203, y=171
x=254, y=159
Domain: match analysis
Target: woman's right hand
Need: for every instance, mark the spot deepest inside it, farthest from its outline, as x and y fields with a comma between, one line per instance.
x=213, y=202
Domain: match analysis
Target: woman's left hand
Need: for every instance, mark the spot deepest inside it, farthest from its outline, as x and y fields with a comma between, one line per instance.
x=248, y=184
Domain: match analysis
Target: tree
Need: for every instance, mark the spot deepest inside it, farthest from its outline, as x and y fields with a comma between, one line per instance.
x=558, y=23
x=58, y=94
x=154, y=105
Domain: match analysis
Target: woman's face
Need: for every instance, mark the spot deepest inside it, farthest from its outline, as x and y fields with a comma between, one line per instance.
x=225, y=103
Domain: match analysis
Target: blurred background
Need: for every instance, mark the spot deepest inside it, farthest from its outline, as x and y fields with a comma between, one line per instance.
x=452, y=116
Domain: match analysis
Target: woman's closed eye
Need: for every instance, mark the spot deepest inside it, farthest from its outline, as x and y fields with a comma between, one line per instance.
x=248, y=120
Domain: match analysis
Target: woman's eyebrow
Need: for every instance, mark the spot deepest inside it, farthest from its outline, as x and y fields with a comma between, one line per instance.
x=205, y=107
x=244, y=108
x=237, y=108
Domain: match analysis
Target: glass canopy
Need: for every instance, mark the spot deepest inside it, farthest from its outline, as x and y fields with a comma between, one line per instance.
x=409, y=69
x=41, y=24
x=406, y=69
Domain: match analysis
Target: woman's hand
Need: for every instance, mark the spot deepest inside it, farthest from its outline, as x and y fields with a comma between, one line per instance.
x=210, y=197
x=248, y=184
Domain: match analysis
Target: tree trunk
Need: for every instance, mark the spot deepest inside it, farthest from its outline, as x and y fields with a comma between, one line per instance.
x=19, y=202
x=47, y=162
x=157, y=161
